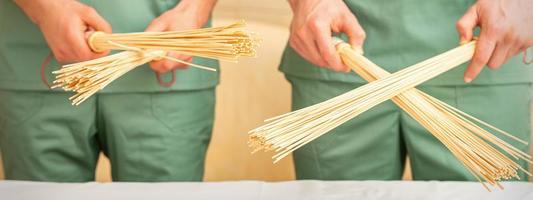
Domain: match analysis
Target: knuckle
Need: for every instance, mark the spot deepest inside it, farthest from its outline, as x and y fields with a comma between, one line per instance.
x=480, y=59
x=62, y=55
x=89, y=10
x=313, y=24
x=319, y=63
x=328, y=58
x=511, y=37
x=300, y=33
x=292, y=42
x=60, y=58
x=348, y=16
x=81, y=55
x=336, y=68
x=360, y=34
x=312, y=19
x=156, y=21
x=520, y=41
x=460, y=25
x=495, y=31
x=493, y=65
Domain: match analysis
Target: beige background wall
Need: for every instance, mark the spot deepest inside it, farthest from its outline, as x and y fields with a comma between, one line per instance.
x=250, y=91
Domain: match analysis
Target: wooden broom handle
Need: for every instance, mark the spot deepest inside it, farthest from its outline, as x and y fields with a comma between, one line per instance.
x=91, y=40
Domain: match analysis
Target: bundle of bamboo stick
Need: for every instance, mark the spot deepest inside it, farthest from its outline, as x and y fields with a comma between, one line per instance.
x=86, y=78
x=475, y=147
x=223, y=43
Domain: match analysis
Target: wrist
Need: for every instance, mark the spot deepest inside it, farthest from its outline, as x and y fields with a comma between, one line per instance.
x=292, y=3
x=201, y=8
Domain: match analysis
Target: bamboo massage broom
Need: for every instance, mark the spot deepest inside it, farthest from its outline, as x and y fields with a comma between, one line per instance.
x=226, y=43
x=472, y=145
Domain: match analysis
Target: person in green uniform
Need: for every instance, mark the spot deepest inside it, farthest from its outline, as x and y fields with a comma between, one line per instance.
x=397, y=34
x=149, y=132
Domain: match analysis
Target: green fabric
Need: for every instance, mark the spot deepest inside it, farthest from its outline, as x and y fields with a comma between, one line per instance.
x=404, y=32
x=373, y=146
x=147, y=136
x=23, y=48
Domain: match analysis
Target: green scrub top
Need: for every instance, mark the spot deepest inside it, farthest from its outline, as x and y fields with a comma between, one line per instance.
x=23, y=48
x=401, y=33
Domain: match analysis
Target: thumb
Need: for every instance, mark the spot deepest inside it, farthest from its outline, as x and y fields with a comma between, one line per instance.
x=354, y=31
x=465, y=26
x=95, y=21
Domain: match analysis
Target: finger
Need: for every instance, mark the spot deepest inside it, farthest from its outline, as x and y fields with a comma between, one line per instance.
x=514, y=50
x=516, y=47
x=160, y=66
x=94, y=20
x=304, y=54
x=304, y=48
x=307, y=44
x=182, y=57
x=354, y=31
x=465, y=26
x=78, y=45
x=75, y=47
x=484, y=49
x=156, y=26
x=499, y=55
x=326, y=48
x=95, y=54
x=165, y=65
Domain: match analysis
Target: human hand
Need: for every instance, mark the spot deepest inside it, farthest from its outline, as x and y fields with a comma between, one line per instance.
x=506, y=29
x=188, y=14
x=312, y=26
x=66, y=25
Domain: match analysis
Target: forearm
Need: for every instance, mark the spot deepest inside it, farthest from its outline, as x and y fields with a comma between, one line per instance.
x=29, y=7
x=203, y=7
x=303, y=7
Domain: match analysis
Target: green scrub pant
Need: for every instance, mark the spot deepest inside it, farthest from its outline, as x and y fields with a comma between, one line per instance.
x=147, y=136
x=374, y=145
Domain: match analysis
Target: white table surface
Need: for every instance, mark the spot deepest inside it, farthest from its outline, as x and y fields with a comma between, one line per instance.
x=356, y=190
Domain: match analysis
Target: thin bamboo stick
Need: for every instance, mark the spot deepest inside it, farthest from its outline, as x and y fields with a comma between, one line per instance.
x=86, y=78
x=476, y=148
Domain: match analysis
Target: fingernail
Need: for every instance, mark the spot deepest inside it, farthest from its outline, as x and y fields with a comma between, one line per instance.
x=468, y=79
